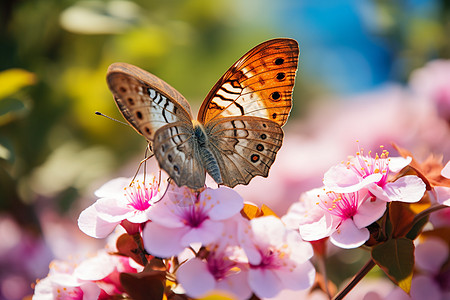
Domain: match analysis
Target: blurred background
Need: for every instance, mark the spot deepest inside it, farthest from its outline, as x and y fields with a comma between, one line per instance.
x=373, y=71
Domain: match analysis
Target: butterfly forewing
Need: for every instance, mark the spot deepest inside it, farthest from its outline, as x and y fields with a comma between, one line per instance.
x=259, y=84
x=245, y=147
x=145, y=101
x=178, y=154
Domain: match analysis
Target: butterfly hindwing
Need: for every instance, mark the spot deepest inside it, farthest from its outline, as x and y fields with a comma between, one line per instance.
x=259, y=84
x=244, y=147
x=144, y=100
x=178, y=154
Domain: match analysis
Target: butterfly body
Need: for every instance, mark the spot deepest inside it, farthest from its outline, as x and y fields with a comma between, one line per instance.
x=238, y=131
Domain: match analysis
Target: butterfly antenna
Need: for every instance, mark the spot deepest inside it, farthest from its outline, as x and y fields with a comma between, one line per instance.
x=112, y=119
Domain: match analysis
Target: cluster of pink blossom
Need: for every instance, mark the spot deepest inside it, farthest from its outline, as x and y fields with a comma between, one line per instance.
x=210, y=242
x=205, y=242
x=354, y=196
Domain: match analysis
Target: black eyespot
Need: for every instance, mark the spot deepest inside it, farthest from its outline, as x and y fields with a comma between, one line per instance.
x=281, y=76
x=260, y=147
x=131, y=101
x=274, y=115
x=176, y=169
x=263, y=136
x=147, y=130
x=122, y=89
x=170, y=158
x=139, y=115
x=264, y=125
x=279, y=61
x=254, y=158
x=275, y=95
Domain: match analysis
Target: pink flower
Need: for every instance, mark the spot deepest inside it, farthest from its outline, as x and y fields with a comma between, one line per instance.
x=216, y=273
x=62, y=284
x=278, y=257
x=443, y=192
x=119, y=201
x=183, y=217
x=343, y=218
x=105, y=269
x=372, y=172
x=304, y=211
x=224, y=269
x=432, y=83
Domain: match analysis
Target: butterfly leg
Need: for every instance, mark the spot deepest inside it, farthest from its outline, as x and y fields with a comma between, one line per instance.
x=149, y=148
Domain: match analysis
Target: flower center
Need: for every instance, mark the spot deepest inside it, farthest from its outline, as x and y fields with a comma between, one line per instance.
x=194, y=215
x=220, y=267
x=140, y=195
x=367, y=165
x=344, y=206
x=272, y=258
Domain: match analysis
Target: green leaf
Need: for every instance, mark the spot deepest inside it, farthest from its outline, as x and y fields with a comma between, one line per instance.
x=401, y=218
x=417, y=228
x=396, y=258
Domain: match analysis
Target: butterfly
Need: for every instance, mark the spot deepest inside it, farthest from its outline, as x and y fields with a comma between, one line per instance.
x=237, y=133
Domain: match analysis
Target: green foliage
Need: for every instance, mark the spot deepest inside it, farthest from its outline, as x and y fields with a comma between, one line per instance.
x=396, y=258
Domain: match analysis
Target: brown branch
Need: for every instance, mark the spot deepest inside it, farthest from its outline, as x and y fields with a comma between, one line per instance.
x=357, y=278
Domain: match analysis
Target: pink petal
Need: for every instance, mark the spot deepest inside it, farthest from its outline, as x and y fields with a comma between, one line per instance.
x=264, y=283
x=195, y=278
x=113, y=188
x=208, y=232
x=162, y=241
x=340, y=176
x=95, y=268
x=369, y=212
x=225, y=202
x=300, y=278
x=164, y=213
x=139, y=216
x=431, y=255
x=398, y=163
x=408, y=189
x=349, y=236
x=112, y=209
x=245, y=240
x=304, y=211
x=236, y=284
x=91, y=291
x=339, y=179
x=442, y=195
x=91, y=224
x=317, y=230
x=301, y=251
x=270, y=230
x=446, y=170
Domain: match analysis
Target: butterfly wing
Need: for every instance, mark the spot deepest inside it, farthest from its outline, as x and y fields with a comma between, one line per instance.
x=259, y=84
x=145, y=101
x=177, y=154
x=244, y=147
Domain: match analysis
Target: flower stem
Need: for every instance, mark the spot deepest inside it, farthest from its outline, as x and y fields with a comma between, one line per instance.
x=426, y=212
x=357, y=278
x=138, y=240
